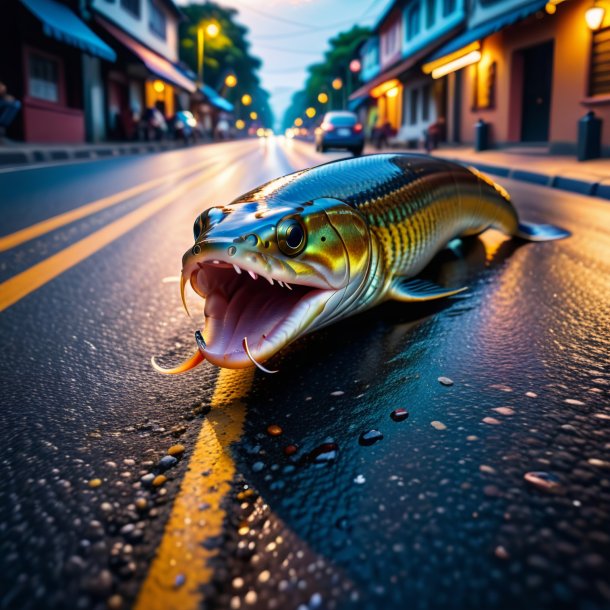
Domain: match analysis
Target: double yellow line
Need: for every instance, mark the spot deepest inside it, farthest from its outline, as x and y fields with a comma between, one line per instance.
x=22, y=284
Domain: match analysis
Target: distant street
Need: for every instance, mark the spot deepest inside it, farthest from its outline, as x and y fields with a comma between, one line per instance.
x=494, y=492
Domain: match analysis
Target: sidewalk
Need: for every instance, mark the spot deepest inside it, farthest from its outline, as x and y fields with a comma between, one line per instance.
x=555, y=171
x=17, y=154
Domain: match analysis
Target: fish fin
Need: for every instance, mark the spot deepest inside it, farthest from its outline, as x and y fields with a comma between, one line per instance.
x=403, y=289
x=534, y=232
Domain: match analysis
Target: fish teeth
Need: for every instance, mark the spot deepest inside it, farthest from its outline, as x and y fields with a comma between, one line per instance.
x=252, y=274
x=280, y=283
x=270, y=280
x=237, y=269
x=288, y=286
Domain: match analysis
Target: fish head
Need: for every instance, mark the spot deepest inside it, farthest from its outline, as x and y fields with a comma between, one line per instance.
x=271, y=273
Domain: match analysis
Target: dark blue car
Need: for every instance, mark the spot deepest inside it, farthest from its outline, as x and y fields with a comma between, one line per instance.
x=340, y=129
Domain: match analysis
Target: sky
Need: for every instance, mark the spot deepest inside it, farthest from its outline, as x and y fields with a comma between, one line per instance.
x=289, y=35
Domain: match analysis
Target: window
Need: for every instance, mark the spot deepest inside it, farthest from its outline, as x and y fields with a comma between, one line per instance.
x=157, y=22
x=448, y=7
x=413, y=109
x=425, y=103
x=430, y=13
x=132, y=6
x=43, y=78
x=413, y=21
x=599, y=79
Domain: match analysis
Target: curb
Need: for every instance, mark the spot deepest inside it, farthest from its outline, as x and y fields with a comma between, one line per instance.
x=573, y=185
x=16, y=158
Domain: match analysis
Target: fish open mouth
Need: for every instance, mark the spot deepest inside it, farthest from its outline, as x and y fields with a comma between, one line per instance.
x=249, y=317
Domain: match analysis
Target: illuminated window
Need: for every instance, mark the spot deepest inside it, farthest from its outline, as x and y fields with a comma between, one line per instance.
x=448, y=7
x=413, y=21
x=43, y=78
x=599, y=79
x=132, y=6
x=157, y=22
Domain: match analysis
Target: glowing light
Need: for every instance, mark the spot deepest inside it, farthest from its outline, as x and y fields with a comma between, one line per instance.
x=595, y=17
x=393, y=92
x=379, y=90
x=457, y=64
x=240, y=124
x=260, y=132
x=231, y=80
x=212, y=30
x=550, y=8
x=322, y=98
x=442, y=61
x=159, y=86
x=298, y=122
x=311, y=112
x=253, y=116
x=355, y=65
x=246, y=99
x=337, y=84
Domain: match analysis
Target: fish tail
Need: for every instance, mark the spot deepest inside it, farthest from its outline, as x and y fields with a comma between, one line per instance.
x=535, y=232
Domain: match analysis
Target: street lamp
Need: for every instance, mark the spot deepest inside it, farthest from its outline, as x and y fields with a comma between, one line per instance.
x=310, y=112
x=322, y=98
x=212, y=30
x=253, y=115
x=246, y=99
x=231, y=80
x=298, y=122
x=337, y=84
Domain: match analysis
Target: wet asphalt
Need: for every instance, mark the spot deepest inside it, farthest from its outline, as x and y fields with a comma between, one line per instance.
x=494, y=491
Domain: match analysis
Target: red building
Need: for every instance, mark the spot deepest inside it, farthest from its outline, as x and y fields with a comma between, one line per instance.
x=47, y=44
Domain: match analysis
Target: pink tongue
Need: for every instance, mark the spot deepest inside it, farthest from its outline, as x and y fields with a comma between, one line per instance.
x=215, y=306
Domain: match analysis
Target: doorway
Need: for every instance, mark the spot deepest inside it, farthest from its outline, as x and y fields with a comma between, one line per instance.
x=537, y=85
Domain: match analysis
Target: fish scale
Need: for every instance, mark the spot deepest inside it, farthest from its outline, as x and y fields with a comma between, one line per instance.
x=413, y=203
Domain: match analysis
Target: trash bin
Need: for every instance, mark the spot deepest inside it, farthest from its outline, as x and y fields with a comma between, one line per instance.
x=481, y=135
x=589, y=137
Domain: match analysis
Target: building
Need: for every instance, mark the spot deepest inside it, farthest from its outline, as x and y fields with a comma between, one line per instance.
x=146, y=76
x=530, y=70
x=404, y=98
x=49, y=47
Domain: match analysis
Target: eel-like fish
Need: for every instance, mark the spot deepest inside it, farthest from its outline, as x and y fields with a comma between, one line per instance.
x=318, y=245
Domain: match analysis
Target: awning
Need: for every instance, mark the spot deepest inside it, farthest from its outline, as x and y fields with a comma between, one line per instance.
x=487, y=29
x=158, y=65
x=397, y=70
x=215, y=99
x=354, y=104
x=59, y=22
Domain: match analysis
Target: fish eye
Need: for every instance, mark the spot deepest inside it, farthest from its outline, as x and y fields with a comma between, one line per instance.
x=291, y=237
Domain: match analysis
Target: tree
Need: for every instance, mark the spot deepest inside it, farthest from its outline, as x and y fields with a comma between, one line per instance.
x=227, y=53
x=343, y=48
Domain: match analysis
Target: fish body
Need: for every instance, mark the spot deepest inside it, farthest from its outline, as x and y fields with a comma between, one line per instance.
x=318, y=245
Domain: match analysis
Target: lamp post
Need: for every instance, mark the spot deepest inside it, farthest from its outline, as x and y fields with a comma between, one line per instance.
x=212, y=30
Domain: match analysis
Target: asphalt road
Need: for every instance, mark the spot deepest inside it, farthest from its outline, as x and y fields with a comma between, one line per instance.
x=443, y=512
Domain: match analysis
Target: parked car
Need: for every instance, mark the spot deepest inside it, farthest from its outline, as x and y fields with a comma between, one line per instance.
x=340, y=129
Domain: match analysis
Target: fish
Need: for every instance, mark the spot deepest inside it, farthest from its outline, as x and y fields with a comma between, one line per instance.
x=315, y=246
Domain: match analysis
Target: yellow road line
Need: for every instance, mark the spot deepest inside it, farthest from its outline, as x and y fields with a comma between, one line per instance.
x=20, y=285
x=55, y=222
x=181, y=553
